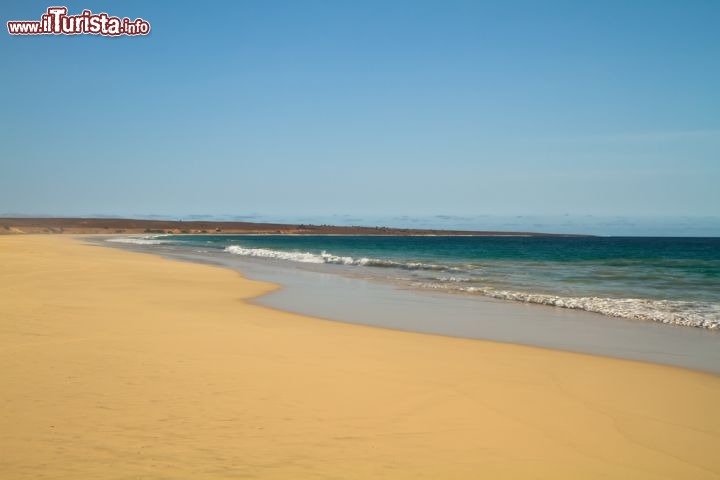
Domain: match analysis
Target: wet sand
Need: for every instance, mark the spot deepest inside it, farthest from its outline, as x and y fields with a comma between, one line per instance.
x=345, y=296
x=116, y=364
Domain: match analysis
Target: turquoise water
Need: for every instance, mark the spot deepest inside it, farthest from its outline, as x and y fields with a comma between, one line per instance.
x=668, y=280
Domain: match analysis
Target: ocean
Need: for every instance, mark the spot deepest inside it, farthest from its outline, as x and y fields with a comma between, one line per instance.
x=667, y=280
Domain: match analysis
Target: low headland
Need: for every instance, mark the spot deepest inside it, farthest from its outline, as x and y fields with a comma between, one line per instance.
x=11, y=225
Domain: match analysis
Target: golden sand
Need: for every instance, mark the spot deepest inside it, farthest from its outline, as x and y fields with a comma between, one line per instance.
x=124, y=365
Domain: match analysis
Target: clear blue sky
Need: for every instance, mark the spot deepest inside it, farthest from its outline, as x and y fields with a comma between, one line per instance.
x=369, y=108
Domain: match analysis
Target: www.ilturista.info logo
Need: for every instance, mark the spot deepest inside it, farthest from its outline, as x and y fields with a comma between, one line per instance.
x=57, y=22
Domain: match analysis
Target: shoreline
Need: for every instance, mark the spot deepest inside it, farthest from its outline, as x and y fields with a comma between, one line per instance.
x=167, y=369
x=363, y=301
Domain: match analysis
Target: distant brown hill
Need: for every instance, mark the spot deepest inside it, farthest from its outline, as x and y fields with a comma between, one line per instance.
x=9, y=225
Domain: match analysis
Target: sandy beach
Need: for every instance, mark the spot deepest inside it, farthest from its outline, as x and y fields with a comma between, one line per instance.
x=116, y=364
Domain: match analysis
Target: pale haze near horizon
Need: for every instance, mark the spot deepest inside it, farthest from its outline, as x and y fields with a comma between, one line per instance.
x=377, y=110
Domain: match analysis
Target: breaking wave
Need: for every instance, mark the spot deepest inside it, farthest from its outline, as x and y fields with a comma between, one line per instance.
x=325, y=257
x=671, y=312
x=153, y=240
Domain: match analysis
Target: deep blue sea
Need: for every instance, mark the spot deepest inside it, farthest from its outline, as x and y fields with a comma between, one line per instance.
x=668, y=280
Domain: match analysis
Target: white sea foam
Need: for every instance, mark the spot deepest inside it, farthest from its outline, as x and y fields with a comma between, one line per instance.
x=453, y=279
x=672, y=312
x=152, y=240
x=325, y=257
x=306, y=257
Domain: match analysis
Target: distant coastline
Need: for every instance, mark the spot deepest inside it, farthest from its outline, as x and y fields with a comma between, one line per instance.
x=60, y=225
